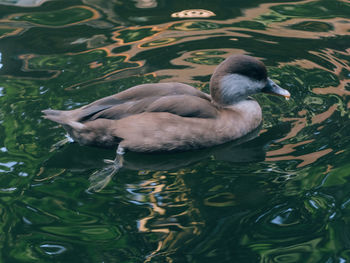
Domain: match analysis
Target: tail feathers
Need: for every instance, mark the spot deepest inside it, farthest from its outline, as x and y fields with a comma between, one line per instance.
x=78, y=126
x=61, y=118
x=55, y=115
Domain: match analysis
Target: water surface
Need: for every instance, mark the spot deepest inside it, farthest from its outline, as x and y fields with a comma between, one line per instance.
x=282, y=196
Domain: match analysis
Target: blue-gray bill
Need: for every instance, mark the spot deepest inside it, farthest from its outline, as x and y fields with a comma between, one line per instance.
x=272, y=88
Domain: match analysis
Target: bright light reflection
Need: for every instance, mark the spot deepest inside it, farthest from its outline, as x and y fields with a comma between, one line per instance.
x=192, y=13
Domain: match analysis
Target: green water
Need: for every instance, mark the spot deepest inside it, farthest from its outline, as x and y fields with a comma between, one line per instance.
x=283, y=196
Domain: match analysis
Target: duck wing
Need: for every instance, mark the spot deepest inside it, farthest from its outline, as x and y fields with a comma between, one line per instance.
x=159, y=90
x=159, y=97
x=181, y=105
x=176, y=98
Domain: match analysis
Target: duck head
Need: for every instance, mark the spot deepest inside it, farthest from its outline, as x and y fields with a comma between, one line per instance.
x=240, y=76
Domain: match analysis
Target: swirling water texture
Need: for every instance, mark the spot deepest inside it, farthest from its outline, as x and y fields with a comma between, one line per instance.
x=281, y=197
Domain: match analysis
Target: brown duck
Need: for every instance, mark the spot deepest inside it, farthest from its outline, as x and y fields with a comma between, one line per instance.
x=174, y=116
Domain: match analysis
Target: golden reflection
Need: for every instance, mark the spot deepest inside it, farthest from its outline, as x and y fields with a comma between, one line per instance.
x=339, y=152
x=53, y=174
x=169, y=34
x=325, y=115
x=304, y=63
x=329, y=169
x=194, y=69
x=12, y=31
x=288, y=148
x=333, y=90
x=305, y=158
x=164, y=199
x=339, y=65
x=282, y=29
x=299, y=124
x=107, y=77
x=25, y=58
x=163, y=35
x=95, y=64
x=330, y=56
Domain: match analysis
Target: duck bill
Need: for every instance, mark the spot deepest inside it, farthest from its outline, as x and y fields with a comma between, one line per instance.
x=272, y=88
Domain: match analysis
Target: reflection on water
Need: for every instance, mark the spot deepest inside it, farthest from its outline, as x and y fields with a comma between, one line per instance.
x=192, y=13
x=279, y=197
x=26, y=3
x=146, y=3
x=63, y=17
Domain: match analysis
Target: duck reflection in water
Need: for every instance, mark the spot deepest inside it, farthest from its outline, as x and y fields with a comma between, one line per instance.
x=235, y=151
x=248, y=149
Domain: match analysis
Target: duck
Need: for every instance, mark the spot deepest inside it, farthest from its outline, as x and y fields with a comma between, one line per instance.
x=165, y=117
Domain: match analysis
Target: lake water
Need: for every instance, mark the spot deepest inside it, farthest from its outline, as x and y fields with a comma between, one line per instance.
x=283, y=196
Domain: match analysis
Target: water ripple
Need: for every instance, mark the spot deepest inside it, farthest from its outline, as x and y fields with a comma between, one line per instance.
x=282, y=197
x=51, y=249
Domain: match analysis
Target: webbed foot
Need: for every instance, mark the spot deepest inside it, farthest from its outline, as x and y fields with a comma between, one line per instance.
x=61, y=143
x=100, y=179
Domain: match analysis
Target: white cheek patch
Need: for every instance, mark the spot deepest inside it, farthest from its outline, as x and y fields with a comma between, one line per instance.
x=236, y=87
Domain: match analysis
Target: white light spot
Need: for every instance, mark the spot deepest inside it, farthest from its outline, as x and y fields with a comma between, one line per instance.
x=53, y=249
x=26, y=221
x=10, y=189
x=3, y=149
x=8, y=165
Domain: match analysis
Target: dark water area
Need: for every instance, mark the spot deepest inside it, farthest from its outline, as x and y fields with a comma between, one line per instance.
x=281, y=196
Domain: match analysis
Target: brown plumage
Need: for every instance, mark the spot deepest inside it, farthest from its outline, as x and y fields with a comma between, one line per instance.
x=174, y=116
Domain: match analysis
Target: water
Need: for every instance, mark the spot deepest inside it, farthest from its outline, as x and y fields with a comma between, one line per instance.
x=281, y=197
